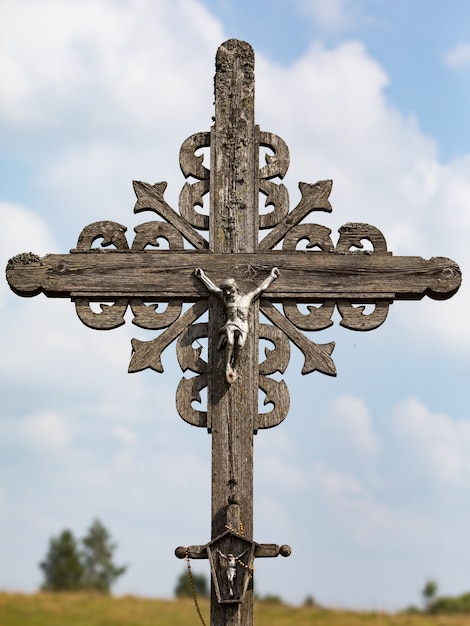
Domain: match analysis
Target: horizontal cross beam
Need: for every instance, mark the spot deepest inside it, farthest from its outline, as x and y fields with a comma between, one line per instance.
x=262, y=550
x=307, y=277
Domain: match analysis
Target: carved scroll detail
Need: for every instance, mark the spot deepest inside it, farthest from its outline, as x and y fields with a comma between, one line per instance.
x=318, y=318
x=192, y=194
x=189, y=388
x=317, y=236
x=276, y=391
x=276, y=166
x=314, y=198
x=111, y=233
x=277, y=359
x=317, y=356
x=354, y=318
x=188, y=391
x=150, y=198
x=350, y=241
x=190, y=163
x=188, y=356
x=146, y=315
x=148, y=353
x=276, y=196
x=148, y=234
x=190, y=197
x=111, y=315
x=352, y=234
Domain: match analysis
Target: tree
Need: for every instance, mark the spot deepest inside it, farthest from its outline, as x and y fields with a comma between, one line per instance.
x=183, y=585
x=99, y=571
x=62, y=567
x=429, y=592
x=87, y=565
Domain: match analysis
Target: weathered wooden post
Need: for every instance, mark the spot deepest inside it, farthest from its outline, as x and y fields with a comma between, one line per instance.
x=234, y=274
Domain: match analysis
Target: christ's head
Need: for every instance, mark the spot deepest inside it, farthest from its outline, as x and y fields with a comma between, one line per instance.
x=229, y=288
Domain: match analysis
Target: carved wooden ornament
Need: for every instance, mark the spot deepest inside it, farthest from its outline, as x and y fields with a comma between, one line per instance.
x=155, y=283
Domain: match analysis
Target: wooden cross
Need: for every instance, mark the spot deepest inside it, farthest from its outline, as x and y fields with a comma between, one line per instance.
x=257, y=254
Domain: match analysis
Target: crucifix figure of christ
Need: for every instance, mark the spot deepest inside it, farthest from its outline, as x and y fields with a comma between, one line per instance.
x=257, y=250
x=235, y=330
x=231, y=567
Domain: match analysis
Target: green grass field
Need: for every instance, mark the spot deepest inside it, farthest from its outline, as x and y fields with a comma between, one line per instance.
x=62, y=609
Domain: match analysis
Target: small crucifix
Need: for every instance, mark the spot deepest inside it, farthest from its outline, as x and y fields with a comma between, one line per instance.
x=234, y=274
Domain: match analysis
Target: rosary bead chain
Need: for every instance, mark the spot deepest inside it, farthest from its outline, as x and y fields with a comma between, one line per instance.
x=193, y=590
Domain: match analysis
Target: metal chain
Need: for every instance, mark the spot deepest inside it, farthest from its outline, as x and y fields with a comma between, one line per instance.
x=247, y=567
x=241, y=530
x=242, y=533
x=191, y=584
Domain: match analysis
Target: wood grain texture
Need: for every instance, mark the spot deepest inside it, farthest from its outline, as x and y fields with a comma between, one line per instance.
x=304, y=276
x=232, y=409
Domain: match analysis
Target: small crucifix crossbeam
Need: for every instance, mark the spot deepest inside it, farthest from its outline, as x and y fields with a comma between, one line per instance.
x=252, y=262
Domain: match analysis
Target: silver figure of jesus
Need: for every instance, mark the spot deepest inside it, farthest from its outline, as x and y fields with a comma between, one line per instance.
x=231, y=560
x=234, y=332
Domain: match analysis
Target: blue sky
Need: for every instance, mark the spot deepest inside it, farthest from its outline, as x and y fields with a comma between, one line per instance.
x=411, y=40
x=368, y=478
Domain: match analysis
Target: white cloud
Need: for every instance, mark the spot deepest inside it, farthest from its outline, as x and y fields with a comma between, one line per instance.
x=275, y=470
x=125, y=434
x=458, y=57
x=355, y=510
x=47, y=429
x=276, y=462
x=343, y=437
x=329, y=14
x=351, y=420
x=434, y=444
x=336, y=484
x=62, y=56
x=189, y=468
x=269, y=507
x=44, y=431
